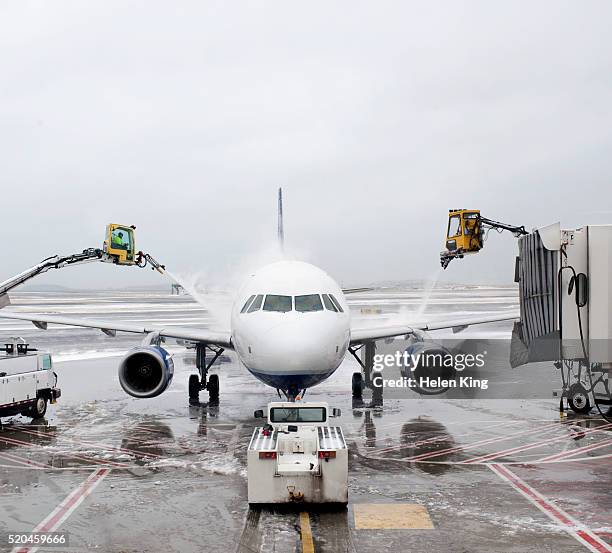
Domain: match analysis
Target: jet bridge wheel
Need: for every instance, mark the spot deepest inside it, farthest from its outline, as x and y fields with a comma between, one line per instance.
x=578, y=399
x=213, y=386
x=357, y=385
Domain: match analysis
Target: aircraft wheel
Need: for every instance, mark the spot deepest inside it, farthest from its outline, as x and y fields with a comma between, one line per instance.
x=194, y=387
x=357, y=385
x=38, y=410
x=213, y=386
x=578, y=399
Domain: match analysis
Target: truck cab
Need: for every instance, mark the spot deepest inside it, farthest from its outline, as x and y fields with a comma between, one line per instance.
x=119, y=244
x=297, y=456
x=27, y=380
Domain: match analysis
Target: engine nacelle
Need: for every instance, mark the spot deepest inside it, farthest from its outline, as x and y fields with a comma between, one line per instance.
x=427, y=365
x=146, y=371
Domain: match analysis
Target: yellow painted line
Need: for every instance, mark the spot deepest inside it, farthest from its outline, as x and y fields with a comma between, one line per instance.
x=306, y=532
x=391, y=516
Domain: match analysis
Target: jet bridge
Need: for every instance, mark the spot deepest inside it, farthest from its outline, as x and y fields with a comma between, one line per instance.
x=565, y=290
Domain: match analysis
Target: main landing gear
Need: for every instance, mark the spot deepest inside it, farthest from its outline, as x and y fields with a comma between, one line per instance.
x=357, y=385
x=203, y=381
x=363, y=379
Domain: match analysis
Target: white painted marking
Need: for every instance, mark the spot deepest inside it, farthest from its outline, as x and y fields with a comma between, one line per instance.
x=59, y=515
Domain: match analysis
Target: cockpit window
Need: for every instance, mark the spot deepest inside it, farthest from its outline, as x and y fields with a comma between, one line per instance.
x=277, y=303
x=120, y=239
x=336, y=303
x=298, y=414
x=256, y=304
x=247, y=303
x=454, y=226
x=329, y=304
x=307, y=303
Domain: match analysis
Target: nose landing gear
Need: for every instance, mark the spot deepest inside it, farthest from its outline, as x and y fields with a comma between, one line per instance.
x=292, y=393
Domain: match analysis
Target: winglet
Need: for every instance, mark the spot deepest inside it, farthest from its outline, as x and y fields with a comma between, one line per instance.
x=281, y=231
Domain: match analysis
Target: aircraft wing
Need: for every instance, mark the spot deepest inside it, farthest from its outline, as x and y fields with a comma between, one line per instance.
x=360, y=335
x=213, y=337
x=355, y=290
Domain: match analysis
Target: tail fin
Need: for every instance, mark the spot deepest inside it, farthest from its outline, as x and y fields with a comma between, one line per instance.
x=281, y=230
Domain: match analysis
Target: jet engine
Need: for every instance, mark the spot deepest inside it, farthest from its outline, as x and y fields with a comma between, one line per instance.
x=429, y=366
x=146, y=371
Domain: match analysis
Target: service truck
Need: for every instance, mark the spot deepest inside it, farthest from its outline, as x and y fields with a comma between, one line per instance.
x=297, y=457
x=27, y=380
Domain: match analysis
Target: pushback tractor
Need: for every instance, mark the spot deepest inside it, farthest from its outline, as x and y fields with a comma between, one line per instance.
x=297, y=456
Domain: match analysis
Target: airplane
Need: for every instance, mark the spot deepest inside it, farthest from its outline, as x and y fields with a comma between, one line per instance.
x=290, y=327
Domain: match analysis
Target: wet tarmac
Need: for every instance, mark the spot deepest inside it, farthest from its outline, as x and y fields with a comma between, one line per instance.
x=124, y=475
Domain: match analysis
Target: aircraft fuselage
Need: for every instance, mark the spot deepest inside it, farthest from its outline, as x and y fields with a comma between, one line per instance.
x=290, y=325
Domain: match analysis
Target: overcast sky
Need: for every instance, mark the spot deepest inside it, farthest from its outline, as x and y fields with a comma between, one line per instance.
x=375, y=117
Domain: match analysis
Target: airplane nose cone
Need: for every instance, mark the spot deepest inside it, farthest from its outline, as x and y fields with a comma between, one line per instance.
x=295, y=348
x=299, y=347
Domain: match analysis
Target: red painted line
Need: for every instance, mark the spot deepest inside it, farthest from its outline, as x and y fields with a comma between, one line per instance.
x=482, y=442
x=21, y=443
x=577, y=530
x=572, y=452
x=97, y=445
x=104, y=447
x=55, y=519
x=22, y=460
x=497, y=454
x=147, y=429
x=586, y=462
x=107, y=447
x=439, y=438
x=143, y=440
x=60, y=436
x=147, y=444
x=594, y=541
x=51, y=434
